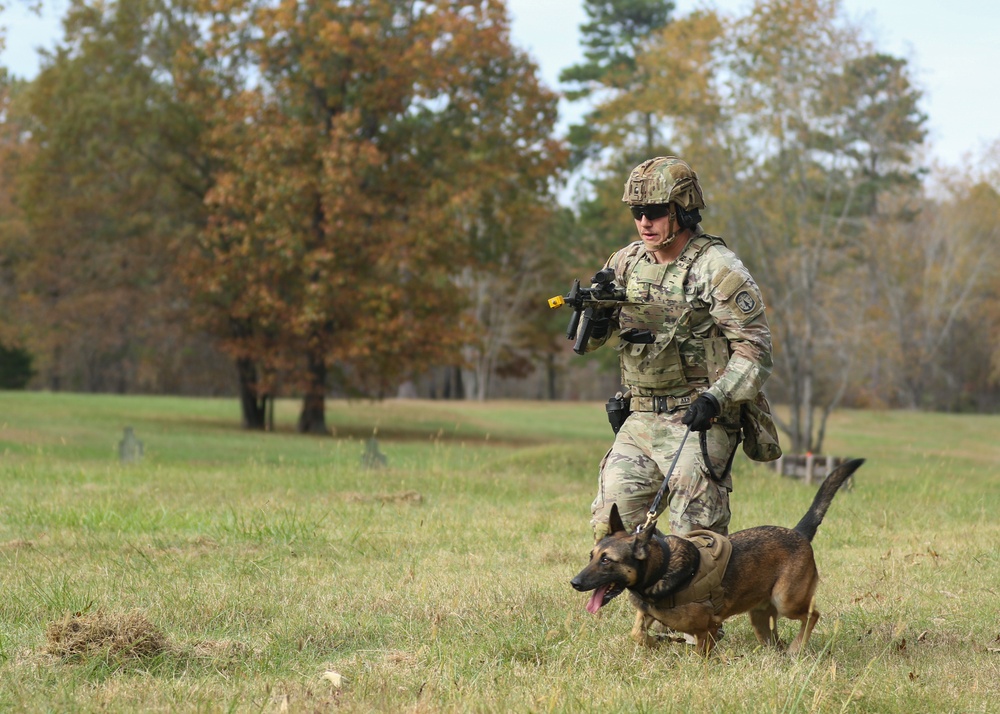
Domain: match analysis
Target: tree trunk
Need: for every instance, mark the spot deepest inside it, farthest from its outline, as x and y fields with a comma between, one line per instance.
x=312, y=419
x=252, y=404
x=807, y=413
x=550, y=374
x=454, y=387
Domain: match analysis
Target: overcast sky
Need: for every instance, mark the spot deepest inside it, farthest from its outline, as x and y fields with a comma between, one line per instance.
x=952, y=48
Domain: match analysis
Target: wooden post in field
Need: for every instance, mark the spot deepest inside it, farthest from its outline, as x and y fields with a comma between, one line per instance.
x=373, y=458
x=129, y=448
x=810, y=460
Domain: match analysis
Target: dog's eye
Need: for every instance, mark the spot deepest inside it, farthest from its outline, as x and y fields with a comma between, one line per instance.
x=605, y=560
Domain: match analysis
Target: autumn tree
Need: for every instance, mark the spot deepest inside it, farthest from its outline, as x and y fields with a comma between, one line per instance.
x=986, y=320
x=841, y=139
x=15, y=239
x=384, y=145
x=507, y=219
x=815, y=153
x=107, y=186
x=935, y=277
x=339, y=182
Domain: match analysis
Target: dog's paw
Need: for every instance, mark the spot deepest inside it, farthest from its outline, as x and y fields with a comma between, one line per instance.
x=644, y=639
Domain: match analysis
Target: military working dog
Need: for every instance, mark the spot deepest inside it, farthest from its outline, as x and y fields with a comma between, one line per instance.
x=692, y=584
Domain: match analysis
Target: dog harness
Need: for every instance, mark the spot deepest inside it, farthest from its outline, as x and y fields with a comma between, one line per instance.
x=706, y=585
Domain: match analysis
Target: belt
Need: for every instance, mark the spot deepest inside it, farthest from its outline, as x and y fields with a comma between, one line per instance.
x=661, y=404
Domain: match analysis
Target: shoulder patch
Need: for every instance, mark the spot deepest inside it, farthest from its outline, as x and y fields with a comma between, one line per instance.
x=730, y=284
x=746, y=302
x=720, y=276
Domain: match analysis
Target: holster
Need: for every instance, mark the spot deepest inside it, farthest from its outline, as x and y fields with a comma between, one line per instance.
x=618, y=411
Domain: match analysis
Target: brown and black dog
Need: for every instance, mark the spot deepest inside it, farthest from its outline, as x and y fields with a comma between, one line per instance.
x=771, y=574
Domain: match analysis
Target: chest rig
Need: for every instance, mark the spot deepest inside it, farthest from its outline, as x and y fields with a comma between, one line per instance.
x=675, y=361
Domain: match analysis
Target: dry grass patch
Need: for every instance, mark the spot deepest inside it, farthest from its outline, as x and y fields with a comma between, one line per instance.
x=119, y=636
x=222, y=655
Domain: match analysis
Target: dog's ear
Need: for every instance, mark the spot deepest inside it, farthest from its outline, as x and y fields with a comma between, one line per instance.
x=615, y=520
x=640, y=546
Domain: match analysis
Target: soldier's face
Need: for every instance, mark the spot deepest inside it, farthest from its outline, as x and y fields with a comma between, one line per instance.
x=654, y=233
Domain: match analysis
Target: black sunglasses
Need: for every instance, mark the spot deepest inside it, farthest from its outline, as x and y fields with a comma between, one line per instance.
x=652, y=211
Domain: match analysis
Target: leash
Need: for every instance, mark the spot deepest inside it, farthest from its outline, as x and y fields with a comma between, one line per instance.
x=654, y=509
x=703, y=439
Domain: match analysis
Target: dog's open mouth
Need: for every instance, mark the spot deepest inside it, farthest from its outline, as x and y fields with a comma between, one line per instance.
x=602, y=596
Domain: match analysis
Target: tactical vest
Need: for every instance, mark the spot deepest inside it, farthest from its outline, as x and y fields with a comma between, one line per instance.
x=714, y=551
x=676, y=361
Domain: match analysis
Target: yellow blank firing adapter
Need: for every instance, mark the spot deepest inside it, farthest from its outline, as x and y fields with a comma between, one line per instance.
x=556, y=301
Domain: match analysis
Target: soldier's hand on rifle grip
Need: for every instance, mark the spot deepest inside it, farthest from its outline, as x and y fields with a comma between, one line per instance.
x=600, y=324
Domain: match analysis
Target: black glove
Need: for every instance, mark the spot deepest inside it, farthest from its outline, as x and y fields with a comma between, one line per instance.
x=600, y=324
x=700, y=414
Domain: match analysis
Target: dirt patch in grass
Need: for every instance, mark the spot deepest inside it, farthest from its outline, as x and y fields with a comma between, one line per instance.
x=120, y=636
x=17, y=544
x=27, y=437
x=403, y=434
x=198, y=546
x=412, y=498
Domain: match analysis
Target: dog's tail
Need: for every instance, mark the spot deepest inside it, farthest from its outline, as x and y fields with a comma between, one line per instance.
x=814, y=516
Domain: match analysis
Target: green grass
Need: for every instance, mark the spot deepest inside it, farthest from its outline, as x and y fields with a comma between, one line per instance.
x=440, y=583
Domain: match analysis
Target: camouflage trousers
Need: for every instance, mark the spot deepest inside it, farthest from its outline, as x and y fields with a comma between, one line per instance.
x=632, y=471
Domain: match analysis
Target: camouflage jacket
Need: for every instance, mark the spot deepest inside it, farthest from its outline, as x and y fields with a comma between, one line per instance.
x=707, y=317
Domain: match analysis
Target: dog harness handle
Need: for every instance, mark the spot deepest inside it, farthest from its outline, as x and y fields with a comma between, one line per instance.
x=654, y=510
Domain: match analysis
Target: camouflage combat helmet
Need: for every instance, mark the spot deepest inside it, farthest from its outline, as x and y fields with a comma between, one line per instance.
x=664, y=179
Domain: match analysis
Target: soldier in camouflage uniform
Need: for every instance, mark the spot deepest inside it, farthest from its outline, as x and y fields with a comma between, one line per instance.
x=694, y=347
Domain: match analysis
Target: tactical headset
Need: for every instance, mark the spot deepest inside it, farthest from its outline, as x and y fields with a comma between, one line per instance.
x=687, y=219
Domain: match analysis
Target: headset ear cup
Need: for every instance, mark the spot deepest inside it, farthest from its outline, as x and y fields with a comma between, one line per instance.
x=688, y=219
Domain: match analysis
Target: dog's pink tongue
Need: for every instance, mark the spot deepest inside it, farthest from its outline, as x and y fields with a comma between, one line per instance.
x=597, y=599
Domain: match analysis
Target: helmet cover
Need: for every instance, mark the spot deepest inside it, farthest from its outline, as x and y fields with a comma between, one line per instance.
x=664, y=179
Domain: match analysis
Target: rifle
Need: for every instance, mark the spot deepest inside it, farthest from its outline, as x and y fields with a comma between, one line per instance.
x=586, y=303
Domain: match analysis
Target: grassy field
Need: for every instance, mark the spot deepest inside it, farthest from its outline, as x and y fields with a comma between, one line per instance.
x=231, y=571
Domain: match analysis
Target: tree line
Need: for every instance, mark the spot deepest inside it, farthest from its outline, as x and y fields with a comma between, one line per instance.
x=345, y=197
